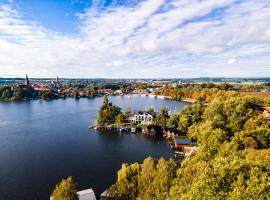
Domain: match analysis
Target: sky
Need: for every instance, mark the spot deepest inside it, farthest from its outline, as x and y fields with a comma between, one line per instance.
x=134, y=38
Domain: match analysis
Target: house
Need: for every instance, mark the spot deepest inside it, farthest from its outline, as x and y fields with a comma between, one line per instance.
x=140, y=91
x=118, y=92
x=189, y=151
x=81, y=93
x=142, y=117
x=182, y=141
x=41, y=89
x=105, y=91
x=85, y=195
x=266, y=112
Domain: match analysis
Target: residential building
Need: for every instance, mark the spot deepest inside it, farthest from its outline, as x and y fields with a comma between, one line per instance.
x=266, y=112
x=142, y=117
x=182, y=141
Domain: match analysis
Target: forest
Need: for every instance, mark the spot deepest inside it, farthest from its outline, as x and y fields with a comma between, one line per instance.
x=232, y=160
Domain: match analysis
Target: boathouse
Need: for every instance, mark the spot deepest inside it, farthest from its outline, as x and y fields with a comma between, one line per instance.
x=182, y=141
x=85, y=195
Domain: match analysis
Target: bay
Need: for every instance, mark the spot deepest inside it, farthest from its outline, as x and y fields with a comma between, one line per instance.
x=42, y=142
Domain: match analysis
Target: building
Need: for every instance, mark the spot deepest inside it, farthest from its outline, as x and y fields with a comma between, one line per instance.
x=105, y=91
x=266, y=112
x=189, y=151
x=118, y=92
x=142, y=117
x=85, y=195
x=182, y=141
x=56, y=83
x=26, y=84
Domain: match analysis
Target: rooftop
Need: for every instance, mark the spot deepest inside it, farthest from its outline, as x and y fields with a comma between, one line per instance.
x=183, y=140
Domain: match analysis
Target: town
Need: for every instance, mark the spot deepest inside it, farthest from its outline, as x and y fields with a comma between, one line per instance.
x=19, y=89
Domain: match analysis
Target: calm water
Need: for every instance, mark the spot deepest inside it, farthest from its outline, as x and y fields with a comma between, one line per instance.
x=42, y=142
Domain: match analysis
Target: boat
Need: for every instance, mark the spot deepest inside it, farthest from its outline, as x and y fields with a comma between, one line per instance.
x=178, y=153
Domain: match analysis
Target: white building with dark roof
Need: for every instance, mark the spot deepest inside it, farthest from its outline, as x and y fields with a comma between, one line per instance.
x=142, y=118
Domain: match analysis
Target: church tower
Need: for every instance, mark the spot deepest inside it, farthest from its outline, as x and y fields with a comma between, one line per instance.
x=27, y=82
x=57, y=79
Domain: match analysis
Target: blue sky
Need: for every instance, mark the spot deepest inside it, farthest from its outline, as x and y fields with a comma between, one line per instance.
x=135, y=38
x=57, y=15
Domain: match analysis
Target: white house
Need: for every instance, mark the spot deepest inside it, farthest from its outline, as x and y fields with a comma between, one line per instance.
x=142, y=118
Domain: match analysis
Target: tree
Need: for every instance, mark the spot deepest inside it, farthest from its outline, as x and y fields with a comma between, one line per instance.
x=126, y=186
x=107, y=113
x=127, y=113
x=163, y=116
x=146, y=178
x=150, y=110
x=6, y=94
x=105, y=101
x=165, y=173
x=119, y=119
x=18, y=94
x=65, y=190
x=173, y=121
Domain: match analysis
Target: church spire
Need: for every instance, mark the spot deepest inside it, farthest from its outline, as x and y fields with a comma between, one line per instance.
x=27, y=83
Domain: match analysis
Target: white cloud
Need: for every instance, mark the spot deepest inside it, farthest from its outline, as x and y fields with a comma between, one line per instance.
x=231, y=61
x=155, y=38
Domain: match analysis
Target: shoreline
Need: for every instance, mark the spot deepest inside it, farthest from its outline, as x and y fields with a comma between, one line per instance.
x=189, y=100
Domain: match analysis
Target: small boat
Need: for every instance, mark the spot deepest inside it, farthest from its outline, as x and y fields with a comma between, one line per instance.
x=133, y=130
x=178, y=153
x=92, y=126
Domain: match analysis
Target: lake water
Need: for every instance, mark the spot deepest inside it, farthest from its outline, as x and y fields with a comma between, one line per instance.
x=42, y=142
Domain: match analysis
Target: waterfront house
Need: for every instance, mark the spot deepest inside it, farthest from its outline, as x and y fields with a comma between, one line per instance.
x=105, y=91
x=118, y=92
x=142, y=117
x=140, y=91
x=189, y=151
x=182, y=141
x=266, y=112
x=85, y=195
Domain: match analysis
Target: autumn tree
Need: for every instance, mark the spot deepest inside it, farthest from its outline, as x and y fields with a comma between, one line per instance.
x=65, y=190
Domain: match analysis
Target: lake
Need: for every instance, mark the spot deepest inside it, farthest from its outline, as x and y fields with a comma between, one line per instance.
x=42, y=142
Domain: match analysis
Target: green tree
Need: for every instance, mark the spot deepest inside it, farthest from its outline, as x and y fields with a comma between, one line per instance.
x=6, y=93
x=146, y=178
x=150, y=110
x=107, y=113
x=18, y=94
x=173, y=121
x=165, y=173
x=65, y=190
x=127, y=113
x=126, y=186
x=163, y=116
x=119, y=119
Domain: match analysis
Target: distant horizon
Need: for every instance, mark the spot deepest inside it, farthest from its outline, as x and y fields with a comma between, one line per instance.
x=266, y=77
